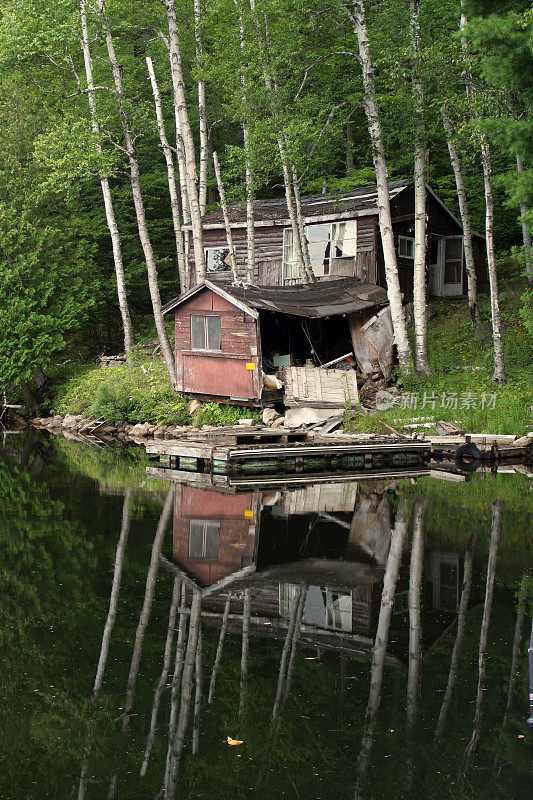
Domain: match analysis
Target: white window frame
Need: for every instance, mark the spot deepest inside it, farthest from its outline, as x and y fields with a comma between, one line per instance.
x=406, y=239
x=293, y=274
x=207, y=349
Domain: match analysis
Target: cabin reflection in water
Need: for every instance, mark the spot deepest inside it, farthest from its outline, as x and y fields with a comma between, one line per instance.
x=333, y=538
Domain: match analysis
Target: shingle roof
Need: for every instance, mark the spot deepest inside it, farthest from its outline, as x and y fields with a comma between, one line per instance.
x=320, y=299
x=275, y=211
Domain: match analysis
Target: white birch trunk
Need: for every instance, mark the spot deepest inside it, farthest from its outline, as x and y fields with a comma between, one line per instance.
x=106, y=193
x=526, y=233
x=227, y=224
x=419, y=267
x=497, y=340
x=171, y=173
x=202, y=113
x=471, y=748
x=465, y=218
x=184, y=126
x=380, y=165
x=108, y=628
x=197, y=696
x=135, y=178
x=144, y=618
x=176, y=745
x=309, y=274
x=380, y=645
x=176, y=593
x=220, y=647
x=295, y=638
x=459, y=637
x=249, y=176
x=246, y=613
x=176, y=679
x=285, y=652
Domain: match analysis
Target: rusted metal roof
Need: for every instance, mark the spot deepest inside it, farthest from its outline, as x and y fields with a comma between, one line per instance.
x=320, y=299
x=274, y=211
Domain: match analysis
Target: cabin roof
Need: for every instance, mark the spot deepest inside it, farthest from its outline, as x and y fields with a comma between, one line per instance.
x=361, y=201
x=317, y=300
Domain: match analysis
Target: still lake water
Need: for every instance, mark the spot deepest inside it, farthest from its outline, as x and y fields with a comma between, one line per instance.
x=346, y=661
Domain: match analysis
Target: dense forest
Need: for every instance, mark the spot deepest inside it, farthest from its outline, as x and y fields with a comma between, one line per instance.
x=121, y=121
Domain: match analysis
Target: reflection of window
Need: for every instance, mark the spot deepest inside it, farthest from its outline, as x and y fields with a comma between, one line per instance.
x=324, y=607
x=339, y=610
x=204, y=539
x=217, y=259
x=205, y=332
x=449, y=585
x=401, y=602
x=453, y=259
x=326, y=242
x=406, y=247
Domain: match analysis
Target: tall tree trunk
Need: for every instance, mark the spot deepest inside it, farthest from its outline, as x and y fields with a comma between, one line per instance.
x=176, y=594
x=465, y=218
x=197, y=696
x=184, y=126
x=419, y=266
x=176, y=745
x=526, y=233
x=171, y=173
x=380, y=645
x=380, y=165
x=471, y=748
x=144, y=618
x=285, y=164
x=175, y=690
x=135, y=178
x=246, y=612
x=295, y=638
x=249, y=175
x=108, y=628
x=415, y=630
x=285, y=652
x=202, y=112
x=106, y=193
x=459, y=637
x=220, y=647
x=227, y=223
x=349, y=148
x=309, y=274
x=497, y=340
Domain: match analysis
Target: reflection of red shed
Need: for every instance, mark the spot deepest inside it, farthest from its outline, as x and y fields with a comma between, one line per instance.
x=214, y=534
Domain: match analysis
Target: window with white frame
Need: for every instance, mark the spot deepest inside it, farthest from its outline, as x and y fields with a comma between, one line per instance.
x=406, y=247
x=205, y=332
x=217, y=259
x=204, y=539
x=326, y=242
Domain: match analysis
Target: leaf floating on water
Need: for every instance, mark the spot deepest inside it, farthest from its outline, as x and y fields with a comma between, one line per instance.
x=233, y=742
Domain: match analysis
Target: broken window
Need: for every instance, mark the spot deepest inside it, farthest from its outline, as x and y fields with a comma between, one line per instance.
x=205, y=332
x=204, y=539
x=217, y=259
x=326, y=242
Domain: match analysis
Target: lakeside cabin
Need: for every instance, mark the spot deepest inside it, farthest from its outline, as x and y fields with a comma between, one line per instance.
x=344, y=241
x=245, y=343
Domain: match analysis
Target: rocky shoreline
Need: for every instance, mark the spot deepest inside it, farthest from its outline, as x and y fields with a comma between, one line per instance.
x=79, y=428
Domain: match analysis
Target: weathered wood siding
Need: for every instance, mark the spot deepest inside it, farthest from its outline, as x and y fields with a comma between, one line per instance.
x=223, y=372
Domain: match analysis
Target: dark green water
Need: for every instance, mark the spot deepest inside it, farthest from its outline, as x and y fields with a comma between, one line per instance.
x=340, y=685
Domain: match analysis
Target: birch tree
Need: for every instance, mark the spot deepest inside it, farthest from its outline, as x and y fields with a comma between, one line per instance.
x=419, y=267
x=171, y=174
x=526, y=233
x=183, y=126
x=227, y=223
x=135, y=179
x=202, y=111
x=370, y=102
x=106, y=193
x=455, y=161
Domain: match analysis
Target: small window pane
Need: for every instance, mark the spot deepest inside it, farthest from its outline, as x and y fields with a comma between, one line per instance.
x=196, y=539
x=197, y=332
x=406, y=247
x=454, y=249
x=214, y=338
x=212, y=539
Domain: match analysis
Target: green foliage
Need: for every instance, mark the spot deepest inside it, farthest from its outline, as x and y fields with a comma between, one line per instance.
x=221, y=414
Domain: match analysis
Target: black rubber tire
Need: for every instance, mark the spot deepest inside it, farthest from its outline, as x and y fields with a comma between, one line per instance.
x=467, y=457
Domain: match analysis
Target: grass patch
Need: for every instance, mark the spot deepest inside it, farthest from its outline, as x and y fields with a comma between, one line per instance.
x=141, y=393
x=461, y=387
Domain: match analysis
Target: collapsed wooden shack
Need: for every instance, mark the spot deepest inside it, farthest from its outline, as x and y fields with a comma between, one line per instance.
x=311, y=344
